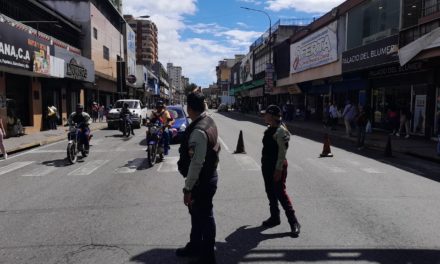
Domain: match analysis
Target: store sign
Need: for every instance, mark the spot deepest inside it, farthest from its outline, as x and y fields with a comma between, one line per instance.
x=76, y=67
x=377, y=53
x=269, y=78
x=317, y=49
x=395, y=70
x=19, y=49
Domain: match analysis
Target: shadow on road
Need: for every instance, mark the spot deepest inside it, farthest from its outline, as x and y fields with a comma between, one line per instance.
x=57, y=163
x=399, y=160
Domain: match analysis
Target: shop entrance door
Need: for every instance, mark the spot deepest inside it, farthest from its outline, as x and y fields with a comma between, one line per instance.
x=418, y=109
x=50, y=96
x=18, y=92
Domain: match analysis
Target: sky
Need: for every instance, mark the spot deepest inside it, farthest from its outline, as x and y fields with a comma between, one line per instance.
x=196, y=34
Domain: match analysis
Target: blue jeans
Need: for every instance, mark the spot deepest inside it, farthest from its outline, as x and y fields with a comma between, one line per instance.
x=84, y=137
x=166, y=140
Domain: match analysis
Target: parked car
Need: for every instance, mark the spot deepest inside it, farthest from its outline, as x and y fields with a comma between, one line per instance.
x=222, y=108
x=181, y=121
x=136, y=107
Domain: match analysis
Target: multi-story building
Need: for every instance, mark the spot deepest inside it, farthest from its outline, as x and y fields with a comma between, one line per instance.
x=102, y=41
x=223, y=71
x=175, y=76
x=117, y=4
x=41, y=64
x=146, y=40
x=164, y=86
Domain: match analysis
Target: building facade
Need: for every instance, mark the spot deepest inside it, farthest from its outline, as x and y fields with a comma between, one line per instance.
x=147, y=51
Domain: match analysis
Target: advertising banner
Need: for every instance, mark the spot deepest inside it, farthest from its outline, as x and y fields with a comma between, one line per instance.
x=22, y=50
x=375, y=54
x=76, y=67
x=246, y=69
x=317, y=49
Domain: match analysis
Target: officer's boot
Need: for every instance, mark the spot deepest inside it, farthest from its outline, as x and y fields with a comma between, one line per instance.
x=294, y=225
x=274, y=218
x=190, y=250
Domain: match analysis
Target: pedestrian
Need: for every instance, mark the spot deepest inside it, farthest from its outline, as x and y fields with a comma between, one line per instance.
x=95, y=109
x=52, y=113
x=101, y=112
x=2, y=135
x=361, y=124
x=199, y=157
x=348, y=115
x=284, y=111
x=274, y=168
x=393, y=120
x=333, y=115
x=405, y=116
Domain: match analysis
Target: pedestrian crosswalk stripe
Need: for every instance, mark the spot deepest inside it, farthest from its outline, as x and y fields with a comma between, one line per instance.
x=41, y=171
x=48, y=151
x=371, y=170
x=224, y=145
x=132, y=166
x=324, y=166
x=247, y=163
x=168, y=165
x=89, y=168
x=14, y=166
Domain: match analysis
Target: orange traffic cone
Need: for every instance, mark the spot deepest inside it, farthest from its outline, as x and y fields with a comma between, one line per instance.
x=240, y=145
x=326, y=152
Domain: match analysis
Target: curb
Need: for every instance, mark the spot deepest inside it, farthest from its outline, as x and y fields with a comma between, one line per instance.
x=375, y=146
x=50, y=140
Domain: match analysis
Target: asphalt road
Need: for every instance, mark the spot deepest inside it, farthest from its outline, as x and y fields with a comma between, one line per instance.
x=112, y=208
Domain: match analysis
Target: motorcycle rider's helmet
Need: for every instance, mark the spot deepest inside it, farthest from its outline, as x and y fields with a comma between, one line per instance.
x=160, y=104
x=79, y=108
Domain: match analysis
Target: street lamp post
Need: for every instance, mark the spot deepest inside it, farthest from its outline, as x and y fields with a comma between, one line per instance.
x=270, y=38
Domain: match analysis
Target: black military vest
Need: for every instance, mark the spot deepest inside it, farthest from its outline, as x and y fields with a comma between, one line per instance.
x=207, y=125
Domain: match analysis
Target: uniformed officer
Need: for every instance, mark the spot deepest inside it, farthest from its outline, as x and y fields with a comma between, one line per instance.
x=199, y=157
x=274, y=167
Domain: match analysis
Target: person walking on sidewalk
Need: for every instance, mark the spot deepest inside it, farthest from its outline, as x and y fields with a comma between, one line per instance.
x=405, y=116
x=333, y=115
x=361, y=123
x=2, y=135
x=348, y=115
x=199, y=158
x=52, y=116
x=274, y=168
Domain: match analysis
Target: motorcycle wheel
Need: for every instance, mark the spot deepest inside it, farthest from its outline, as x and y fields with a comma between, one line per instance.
x=151, y=153
x=127, y=130
x=71, y=153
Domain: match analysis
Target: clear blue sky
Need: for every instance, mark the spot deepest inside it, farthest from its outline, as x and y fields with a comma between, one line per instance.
x=196, y=34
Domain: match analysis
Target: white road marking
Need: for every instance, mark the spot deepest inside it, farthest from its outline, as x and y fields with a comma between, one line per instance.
x=168, y=165
x=224, y=144
x=41, y=171
x=89, y=168
x=247, y=163
x=371, y=171
x=14, y=166
x=132, y=166
x=48, y=151
x=324, y=166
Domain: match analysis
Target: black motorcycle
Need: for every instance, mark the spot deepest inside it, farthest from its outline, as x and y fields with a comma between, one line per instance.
x=125, y=126
x=75, y=144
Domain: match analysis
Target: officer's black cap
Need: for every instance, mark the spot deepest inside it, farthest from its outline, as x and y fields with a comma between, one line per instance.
x=272, y=110
x=79, y=106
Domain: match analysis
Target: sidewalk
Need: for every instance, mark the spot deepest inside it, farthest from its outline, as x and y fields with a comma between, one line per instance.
x=16, y=144
x=414, y=146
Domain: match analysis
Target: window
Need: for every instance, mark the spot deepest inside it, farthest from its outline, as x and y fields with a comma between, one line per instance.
x=106, y=53
x=95, y=33
x=375, y=20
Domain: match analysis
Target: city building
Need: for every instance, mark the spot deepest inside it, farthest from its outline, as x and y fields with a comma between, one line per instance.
x=175, y=76
x=41, y=65
x=223, y=71
x=102, y=41
x=164, y=86
x=117, y=4
x=147, y=51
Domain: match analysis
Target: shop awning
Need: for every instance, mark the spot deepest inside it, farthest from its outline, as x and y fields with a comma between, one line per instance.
x=247, y=86
x=427, y=41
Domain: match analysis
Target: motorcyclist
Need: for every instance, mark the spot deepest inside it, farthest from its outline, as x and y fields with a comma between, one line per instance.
x=82, y=119
x=125, y=115
x=163, y=116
